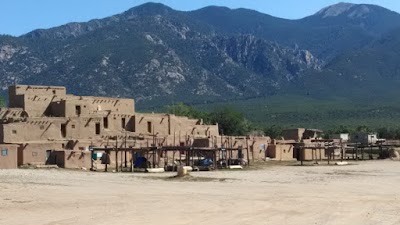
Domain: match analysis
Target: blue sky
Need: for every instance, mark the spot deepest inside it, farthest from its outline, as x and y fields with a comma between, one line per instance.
x=21, y=16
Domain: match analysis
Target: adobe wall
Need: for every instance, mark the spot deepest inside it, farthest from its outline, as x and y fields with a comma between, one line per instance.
x=293, y=134
x=37, y=106
x=73, y=159
x=147, y=124
x=258, y=147
x=12, y=114
x=192, y=127
x=119, y=122
x=36, y=153
x=51, y=129
x=280, y=152
x=120, y=105
x=37, y=90
x=314, y=154
x=8, y=156
x=31, y=131
x=166, y=124
x=35, y=100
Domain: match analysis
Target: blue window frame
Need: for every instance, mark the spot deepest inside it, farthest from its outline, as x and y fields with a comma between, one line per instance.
x=4, y=152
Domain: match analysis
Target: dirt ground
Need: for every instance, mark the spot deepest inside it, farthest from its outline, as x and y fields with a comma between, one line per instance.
x=366, y=193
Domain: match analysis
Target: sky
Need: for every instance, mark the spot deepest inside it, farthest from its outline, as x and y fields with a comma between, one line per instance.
x=18, y=17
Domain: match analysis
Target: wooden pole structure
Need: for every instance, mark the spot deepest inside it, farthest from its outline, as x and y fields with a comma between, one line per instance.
x=342, y=151
x=252, y=151
x=107, y=156
x=126, y=160
x=173, y=153
x=301, y=154
x=370, y=154
x=180, y=157
x=362, y=153
x=320, y=155
x=215, y=159
x=116, y=153
x=356, y=149
x=132, y=165
x=329, y=155
x=247, y=150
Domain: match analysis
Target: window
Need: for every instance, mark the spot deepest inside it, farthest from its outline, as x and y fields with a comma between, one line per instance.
x=149, y=127
x=105, y=122
x=41, y=127
x=54, y=92
x=73, y=126
x=78, y=110
x=14, y=131
x=63, y=130
x=97, y=128
x=123, y=123
x=4, y=152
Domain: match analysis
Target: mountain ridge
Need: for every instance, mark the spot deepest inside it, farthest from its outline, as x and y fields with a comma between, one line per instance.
x=157, y=54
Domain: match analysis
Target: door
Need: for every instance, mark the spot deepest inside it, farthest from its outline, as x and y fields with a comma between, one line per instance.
x=48, y=154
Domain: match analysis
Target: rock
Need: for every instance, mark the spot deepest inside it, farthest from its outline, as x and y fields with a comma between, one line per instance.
x=182, y=171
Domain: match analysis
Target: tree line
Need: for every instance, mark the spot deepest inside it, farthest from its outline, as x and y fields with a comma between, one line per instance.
x=234, y=123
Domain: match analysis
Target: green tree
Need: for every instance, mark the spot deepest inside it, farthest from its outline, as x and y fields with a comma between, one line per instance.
x=273, y=131
x=363, y=128
x=230, y=121
x=181, y=109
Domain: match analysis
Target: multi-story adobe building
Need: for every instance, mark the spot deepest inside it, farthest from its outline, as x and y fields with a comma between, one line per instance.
x=44, y=119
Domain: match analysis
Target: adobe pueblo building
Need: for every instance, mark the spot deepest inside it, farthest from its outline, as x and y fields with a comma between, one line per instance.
x=45, y=125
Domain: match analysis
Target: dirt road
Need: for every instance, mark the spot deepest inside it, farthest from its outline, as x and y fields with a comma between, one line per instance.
x=367, y=193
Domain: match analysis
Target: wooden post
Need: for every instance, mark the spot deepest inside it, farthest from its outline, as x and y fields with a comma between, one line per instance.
x=370, y=153
x=301, y=154
x=215, y=159
x=180, y=156
x=107, y=156
x=132, y=165
x=116, y=153
x=126, y=160
x=362, y=153
x=122, y=158
x=356, y=149
x=320, y=155
x=248, y=153
x=252, y=152
x=329, y=155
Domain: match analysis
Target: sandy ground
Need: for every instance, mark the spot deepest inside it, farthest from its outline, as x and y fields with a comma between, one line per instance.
x=367, y=193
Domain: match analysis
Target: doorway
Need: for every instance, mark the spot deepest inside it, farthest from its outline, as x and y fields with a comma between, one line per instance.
x=63, y=130
x=97, y=128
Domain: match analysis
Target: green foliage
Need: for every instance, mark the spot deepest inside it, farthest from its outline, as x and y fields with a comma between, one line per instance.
x=230, y=121
x=181, y=109
x=273, y=131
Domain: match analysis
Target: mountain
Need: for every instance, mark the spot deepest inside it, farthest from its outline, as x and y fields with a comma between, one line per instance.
x=159, y=55
x=326, y=34
x=152, y=52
